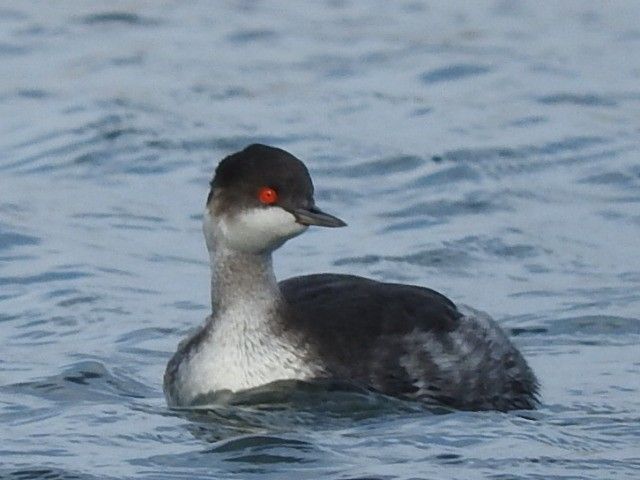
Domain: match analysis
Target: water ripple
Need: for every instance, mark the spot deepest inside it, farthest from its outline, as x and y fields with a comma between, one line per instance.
x=586, y=100
x=87, y=381
x=453, y=72
x=115, y=17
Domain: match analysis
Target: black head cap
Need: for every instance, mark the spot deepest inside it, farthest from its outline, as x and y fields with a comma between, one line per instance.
x=240, y=176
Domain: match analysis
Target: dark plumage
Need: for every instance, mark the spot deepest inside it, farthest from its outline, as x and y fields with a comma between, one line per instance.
x=367, y=331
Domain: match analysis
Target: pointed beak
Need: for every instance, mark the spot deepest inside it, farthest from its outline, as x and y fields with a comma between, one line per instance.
x=315, y=216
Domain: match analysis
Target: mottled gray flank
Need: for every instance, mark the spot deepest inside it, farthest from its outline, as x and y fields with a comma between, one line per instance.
x=187, y=349
x=475, y=367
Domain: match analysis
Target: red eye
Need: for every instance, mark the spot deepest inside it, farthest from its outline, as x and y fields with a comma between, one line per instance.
x=267, y=195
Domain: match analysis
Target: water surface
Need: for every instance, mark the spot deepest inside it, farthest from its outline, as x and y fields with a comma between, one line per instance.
x=489, y=150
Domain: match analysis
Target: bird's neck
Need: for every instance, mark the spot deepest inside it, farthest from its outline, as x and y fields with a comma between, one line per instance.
x=241, y=278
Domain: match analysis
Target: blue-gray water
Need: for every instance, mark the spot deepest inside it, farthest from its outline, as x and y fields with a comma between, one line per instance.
x=490, y=150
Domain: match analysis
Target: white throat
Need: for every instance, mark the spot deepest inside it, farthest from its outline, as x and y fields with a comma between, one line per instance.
x=254, y=230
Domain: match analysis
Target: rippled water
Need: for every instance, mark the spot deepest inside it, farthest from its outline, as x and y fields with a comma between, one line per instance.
x=489, y=150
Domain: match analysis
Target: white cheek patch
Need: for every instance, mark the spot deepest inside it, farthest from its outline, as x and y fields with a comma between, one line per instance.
x=260, y=229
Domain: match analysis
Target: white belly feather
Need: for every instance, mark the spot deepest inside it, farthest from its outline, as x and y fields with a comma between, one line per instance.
x=236, y=354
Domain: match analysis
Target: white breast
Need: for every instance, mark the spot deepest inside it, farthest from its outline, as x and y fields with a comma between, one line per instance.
x=237, y=353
